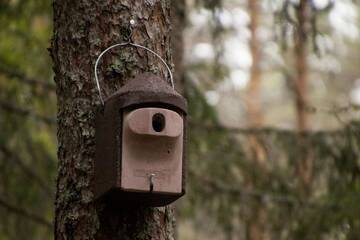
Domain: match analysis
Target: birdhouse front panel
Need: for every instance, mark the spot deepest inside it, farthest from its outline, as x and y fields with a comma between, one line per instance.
x=152, y=151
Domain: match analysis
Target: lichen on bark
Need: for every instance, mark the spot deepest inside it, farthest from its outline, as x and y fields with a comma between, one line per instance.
x=82, y=29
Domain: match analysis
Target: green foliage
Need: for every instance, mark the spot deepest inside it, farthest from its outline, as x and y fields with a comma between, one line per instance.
x=229, y=184
x=226, y=183
x=287, y=22
x=27, y=152
x=209, y=4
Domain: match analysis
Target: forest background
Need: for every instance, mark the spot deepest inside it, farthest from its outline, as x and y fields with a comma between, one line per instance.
x=274, y=97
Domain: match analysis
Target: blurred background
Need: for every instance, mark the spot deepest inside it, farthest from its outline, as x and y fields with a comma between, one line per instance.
x=274, y=94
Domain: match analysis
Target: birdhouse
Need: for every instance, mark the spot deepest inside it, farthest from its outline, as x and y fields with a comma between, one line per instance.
x=140, y=143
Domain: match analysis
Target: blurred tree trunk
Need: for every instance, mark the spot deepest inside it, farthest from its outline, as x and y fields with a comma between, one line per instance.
x=178, y=23
x=301, y=80
x=257, y=222
x=305, y=164
x=82, y=29
x=255, y=117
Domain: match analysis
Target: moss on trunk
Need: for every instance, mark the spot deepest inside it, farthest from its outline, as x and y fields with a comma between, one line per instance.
x=82, y=29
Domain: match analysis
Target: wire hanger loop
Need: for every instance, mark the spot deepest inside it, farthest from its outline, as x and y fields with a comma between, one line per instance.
x=124, y=44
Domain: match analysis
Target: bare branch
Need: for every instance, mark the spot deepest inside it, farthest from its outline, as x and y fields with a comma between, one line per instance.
x=26, y=112
x=334, y=109
x=286, y=13
x=25, y=213
x=327, y=8
x=258, y=194
x=12, y=73
x=315, y=12
x=239, y=130
x=28, y=171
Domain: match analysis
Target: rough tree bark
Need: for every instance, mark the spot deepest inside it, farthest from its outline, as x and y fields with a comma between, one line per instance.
x=81, y=30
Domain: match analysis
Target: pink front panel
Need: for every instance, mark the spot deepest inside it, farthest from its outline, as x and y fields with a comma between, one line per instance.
x=152, y=150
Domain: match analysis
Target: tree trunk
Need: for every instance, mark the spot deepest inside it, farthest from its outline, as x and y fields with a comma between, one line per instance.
x=301, y=81
x=305, y=164
x=178, y=23
x=82, y=29
x=256, y=226
x=255, y=117
x=178, y=20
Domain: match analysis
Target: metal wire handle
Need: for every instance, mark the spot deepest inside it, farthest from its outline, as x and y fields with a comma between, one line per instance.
x=134, y=45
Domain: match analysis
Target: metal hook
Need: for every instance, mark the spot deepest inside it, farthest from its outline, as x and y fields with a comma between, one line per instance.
x=151, y=180
x=131, y=24
x=133, y=45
